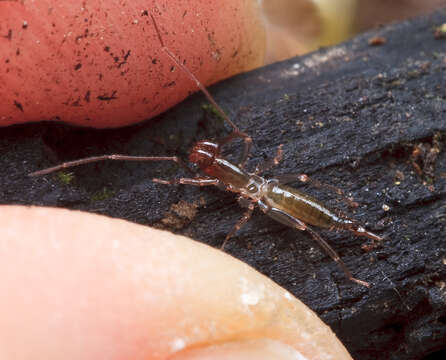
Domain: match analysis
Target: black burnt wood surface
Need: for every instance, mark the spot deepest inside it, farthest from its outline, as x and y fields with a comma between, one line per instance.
x=351, y=116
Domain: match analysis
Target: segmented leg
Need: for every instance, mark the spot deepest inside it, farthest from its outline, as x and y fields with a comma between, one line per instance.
x=287, y=178
x=243, y=220
x=92, y=159
x=236, y=133
x=246, y=150
x=334, y=255
x=291, y=221
x=198, y=181
x=260, y=168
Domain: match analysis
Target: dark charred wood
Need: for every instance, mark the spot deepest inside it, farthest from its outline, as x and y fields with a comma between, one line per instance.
x=368, y=119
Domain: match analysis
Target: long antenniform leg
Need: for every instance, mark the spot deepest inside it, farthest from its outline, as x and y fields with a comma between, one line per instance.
x=110, y=157
x=236, y=133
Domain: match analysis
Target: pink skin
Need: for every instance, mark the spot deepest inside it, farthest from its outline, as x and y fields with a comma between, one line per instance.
x=83, y=286
x=99, y=63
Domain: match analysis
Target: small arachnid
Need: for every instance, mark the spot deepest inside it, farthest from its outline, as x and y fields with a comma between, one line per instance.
x=282, y=203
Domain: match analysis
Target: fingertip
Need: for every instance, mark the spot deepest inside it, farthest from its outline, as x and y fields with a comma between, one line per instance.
x=89, y=286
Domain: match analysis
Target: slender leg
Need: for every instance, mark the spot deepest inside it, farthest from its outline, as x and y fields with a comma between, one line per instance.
x=291, y=221
x=247, y=149
x=236, y=133
x=109, y=157
x=260, y=168
x=198, y=181
x=334, y=255
x=243, y=220
x=287, y=178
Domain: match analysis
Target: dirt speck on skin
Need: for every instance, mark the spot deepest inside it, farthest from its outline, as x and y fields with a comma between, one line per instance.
x=180, y=215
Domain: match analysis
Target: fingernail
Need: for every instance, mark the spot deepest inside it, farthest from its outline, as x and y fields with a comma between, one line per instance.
x=258, y=349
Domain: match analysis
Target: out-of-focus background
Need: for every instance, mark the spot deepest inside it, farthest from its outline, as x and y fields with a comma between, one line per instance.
x=295, y=27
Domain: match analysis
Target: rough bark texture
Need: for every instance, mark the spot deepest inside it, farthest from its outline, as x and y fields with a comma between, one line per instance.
x=368, y=119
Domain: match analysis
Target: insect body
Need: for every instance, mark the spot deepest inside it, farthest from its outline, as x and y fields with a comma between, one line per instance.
x=282, y=203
